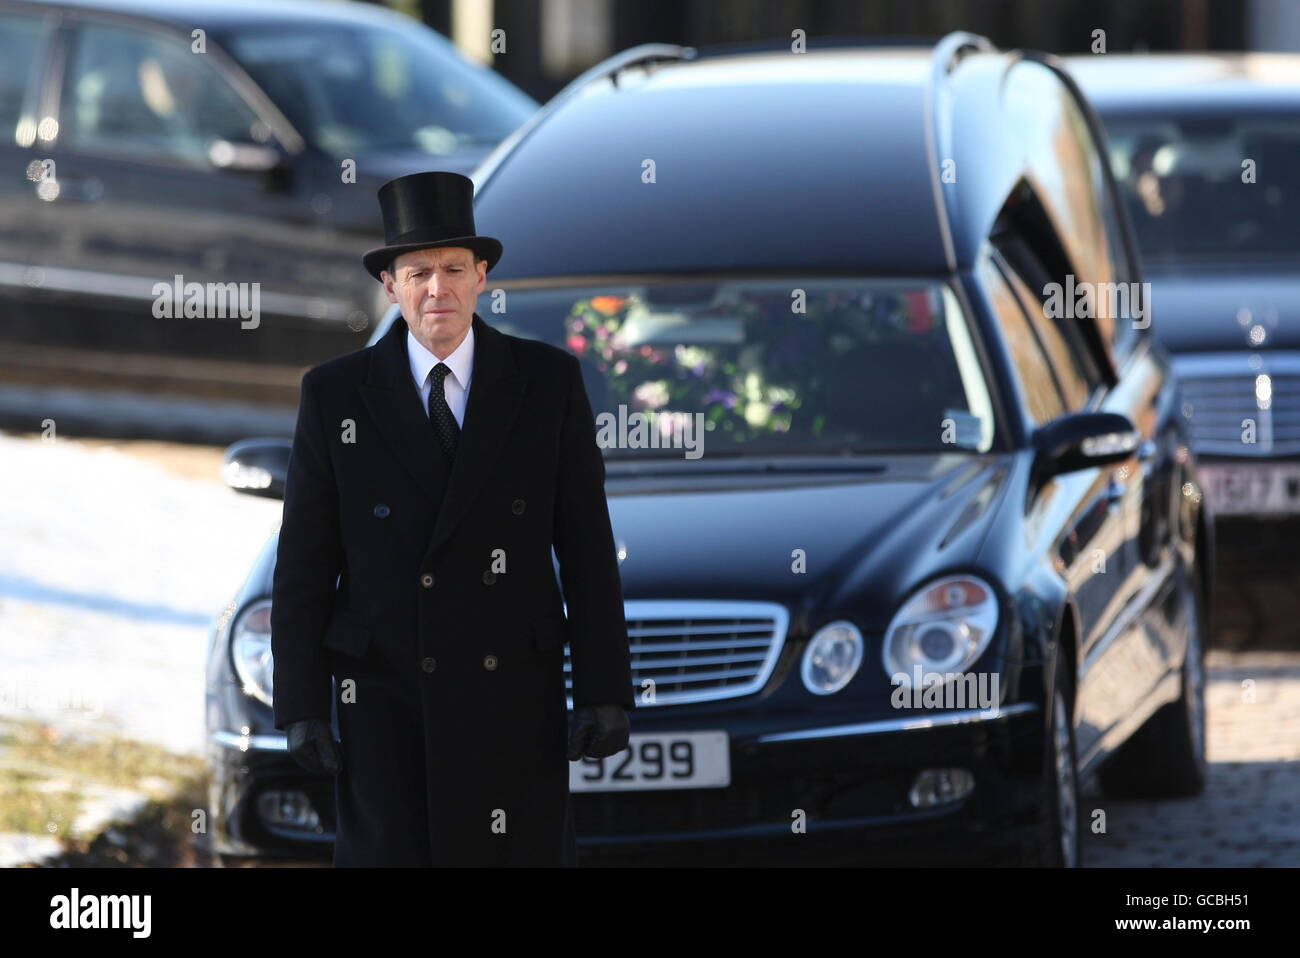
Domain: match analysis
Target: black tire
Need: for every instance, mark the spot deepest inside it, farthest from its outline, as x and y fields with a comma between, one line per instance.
x=1165, y=758
x=1055, y=846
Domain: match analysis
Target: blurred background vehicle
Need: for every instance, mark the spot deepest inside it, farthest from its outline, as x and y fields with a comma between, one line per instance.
x=218, y=142
x=1207, y=150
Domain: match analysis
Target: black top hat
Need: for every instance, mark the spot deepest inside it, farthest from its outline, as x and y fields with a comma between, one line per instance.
x=424, y=210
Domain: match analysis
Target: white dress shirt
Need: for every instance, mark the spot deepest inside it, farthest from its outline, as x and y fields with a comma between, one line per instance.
x=456, y=386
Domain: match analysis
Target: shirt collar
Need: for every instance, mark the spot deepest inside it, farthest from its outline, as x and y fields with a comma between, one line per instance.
x=460, y=362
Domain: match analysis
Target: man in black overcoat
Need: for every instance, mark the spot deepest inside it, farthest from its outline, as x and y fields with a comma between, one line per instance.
x=431, y=474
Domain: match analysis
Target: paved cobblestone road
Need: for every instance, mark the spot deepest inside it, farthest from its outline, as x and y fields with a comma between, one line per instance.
x=1249, y=813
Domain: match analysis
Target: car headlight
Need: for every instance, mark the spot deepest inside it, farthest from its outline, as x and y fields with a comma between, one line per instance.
x=944, y=627
x=832, y=658
x=250, y=650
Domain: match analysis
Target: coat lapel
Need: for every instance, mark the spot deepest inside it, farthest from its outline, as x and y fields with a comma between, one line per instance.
x=394, y=404
x=493, y=404
x=495, y=396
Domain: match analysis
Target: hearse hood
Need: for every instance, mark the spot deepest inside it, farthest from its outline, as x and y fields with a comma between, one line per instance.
x=818, y=542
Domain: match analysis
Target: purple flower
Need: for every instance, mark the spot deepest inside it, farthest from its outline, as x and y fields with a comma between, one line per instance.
x=715, y=396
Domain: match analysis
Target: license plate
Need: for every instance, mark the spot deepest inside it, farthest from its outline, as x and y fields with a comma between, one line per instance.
x=1253, y=488
x=658, y=760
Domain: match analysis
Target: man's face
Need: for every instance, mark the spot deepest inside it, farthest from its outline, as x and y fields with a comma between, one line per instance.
x=437, y=290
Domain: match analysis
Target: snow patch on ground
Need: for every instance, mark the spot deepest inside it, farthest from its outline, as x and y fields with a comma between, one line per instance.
x=111, y=571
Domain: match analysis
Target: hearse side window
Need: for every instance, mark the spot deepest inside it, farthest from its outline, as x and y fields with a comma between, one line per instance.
x=20, y=41
x=1123, y=332
x=1072, y=364
x=1070, y=176
x=1040, y=397
x=134, y=92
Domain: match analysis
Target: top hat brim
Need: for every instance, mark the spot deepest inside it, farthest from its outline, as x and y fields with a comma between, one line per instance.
x=376, y=260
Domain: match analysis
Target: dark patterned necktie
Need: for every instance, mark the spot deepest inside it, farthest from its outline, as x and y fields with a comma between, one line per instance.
x=440, y=413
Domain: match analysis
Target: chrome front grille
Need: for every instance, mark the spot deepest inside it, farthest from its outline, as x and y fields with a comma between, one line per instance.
x=1220, y=391
x=699, y=651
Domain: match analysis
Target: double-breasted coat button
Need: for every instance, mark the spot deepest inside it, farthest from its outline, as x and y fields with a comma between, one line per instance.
x=489, y=662
x=517, y=507
x=381, y=511
x=429, y=664
x=426, y=580
x=489, y=577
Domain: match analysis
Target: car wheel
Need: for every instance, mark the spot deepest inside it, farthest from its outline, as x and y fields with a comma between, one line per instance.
x=1166, y=757
x=1058, y=842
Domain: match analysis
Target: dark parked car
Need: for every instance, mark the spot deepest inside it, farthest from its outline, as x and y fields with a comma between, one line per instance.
x=904, y=556
x=1205, y=149
x=222, y=142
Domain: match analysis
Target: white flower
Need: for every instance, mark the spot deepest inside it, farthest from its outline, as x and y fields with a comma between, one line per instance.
x=652, y=395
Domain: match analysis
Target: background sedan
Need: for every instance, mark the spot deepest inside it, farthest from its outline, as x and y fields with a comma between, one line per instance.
x=241, y=163
x=1204, y=147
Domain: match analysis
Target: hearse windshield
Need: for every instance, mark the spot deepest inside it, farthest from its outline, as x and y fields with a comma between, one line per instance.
x=767, y=367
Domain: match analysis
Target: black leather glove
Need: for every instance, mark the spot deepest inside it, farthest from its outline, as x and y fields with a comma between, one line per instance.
x=312, y=746
x=598, y=731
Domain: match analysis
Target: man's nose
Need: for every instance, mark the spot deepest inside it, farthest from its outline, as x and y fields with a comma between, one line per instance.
x=437, y=286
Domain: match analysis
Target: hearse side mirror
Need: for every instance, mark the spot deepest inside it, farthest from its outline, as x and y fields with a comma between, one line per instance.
x=1083, y=439
x=257, y=467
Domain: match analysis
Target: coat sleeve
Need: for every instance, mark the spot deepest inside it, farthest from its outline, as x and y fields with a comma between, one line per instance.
x=307, y=565
x=584, y=544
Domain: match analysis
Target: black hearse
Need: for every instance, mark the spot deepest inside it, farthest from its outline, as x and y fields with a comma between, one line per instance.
x=912, y=554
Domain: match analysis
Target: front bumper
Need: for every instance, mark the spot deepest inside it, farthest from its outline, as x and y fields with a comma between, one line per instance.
x=847, y=778
x=255, y=792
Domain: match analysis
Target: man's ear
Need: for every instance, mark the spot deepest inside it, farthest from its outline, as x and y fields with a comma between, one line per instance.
x=387, y=278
